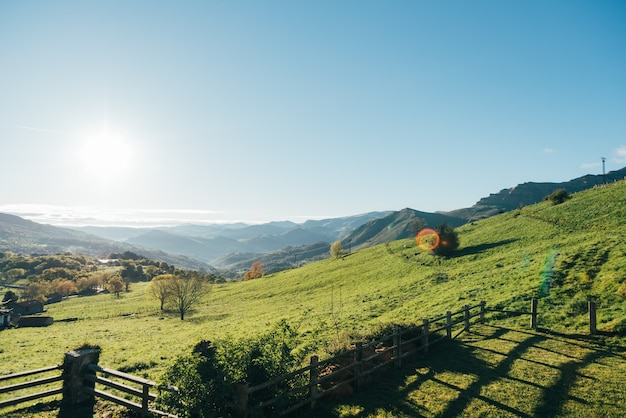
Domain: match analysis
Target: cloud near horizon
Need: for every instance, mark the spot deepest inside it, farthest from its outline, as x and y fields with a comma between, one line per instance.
x=620, y=155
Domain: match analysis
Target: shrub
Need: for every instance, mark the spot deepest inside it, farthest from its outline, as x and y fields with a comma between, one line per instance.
x=448, y=240
x=201, y=388
x=558, y=196
x=205, y=379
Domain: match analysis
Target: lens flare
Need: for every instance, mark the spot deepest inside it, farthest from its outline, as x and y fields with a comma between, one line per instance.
x=427, y=239
x=547, y=273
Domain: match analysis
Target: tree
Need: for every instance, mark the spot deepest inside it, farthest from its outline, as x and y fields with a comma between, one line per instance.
x=558, y=196
x=37, y=290
x=63, y=287
x=336, y=249
x=160, y=288
x=115, y=285
x=10, y=297
x=187, y=289
x=256, y=271
x=448, y=240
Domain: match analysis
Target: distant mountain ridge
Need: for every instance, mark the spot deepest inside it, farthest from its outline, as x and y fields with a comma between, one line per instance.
x=529, y=193
x=232, y=248
x=22, y=236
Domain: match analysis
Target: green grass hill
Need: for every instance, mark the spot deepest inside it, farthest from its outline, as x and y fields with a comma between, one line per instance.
x=563, y=254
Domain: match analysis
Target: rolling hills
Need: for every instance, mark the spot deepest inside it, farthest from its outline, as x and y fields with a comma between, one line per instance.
x=230, y=249
x=564, y=255
x=279, y=245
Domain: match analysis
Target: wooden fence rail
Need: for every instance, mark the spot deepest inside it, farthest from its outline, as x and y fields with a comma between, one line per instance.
x=350, y=369
x=79, y=376
x=31, y=384
x=90, y=373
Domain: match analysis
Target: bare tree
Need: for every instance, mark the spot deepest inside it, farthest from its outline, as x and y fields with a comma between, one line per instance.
x=186, y=291
x=160, y=288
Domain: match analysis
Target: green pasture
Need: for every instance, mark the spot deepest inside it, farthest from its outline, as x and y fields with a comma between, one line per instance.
x=564, y=255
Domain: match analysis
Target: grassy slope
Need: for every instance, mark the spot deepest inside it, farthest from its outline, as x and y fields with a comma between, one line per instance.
x=498, y=372
x=575, y=250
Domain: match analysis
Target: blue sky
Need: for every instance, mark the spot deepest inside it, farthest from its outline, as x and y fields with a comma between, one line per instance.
x=274, y=110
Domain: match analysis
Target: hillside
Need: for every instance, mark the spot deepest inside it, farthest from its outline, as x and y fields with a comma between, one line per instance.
x=397, y=225
x=284, y=244
x=530, y=193
x=564, y=255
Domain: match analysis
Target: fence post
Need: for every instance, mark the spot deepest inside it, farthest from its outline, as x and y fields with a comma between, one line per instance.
x=313, y=376
x=533, y=313
x=425, y=335
x=358, y=357
x=482, y=311
x=592, y=317
x=241, y=392
x=397, y=343
x=466, y=314
x=73, y=382
x=145, y=397
x=449, y=325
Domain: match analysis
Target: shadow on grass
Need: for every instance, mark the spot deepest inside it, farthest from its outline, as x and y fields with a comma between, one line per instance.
x=476, y=249
x=57, y=409
x=394, y=394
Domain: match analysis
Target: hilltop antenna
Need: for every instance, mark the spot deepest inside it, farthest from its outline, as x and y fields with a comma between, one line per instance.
x=603, y=172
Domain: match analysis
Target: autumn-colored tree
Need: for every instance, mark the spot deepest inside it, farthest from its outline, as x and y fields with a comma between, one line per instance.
x=37, y=290
x=63, y=287
x=90, y=283
x=256, y=271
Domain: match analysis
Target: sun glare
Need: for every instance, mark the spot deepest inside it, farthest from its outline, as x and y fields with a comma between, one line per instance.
x=106, y=156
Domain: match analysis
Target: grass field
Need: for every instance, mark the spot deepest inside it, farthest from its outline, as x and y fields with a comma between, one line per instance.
x=503, y=372
x=564, y=255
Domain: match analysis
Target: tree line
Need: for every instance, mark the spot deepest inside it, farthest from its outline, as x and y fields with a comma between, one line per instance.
x=47, y=276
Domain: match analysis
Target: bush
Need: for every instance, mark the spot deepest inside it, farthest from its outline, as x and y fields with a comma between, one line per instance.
x=201, y=388
x=558, y=196
x=205, y=379
x=448, y=240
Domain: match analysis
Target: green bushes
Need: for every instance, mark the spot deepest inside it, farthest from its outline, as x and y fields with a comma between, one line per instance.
x=205, y=379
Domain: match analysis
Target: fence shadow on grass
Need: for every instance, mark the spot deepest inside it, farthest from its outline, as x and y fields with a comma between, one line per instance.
x=458, y=376
x=55, y=408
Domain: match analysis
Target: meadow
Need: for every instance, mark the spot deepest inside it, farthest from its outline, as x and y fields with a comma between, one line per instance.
x=564, y=255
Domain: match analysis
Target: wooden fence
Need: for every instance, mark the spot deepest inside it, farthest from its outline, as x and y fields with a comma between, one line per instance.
x=340, y=374
x=39, y=382
x=90, y=373
x=348, y=371
x=80, y=374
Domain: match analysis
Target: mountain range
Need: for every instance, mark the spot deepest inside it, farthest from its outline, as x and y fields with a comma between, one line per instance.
x=230, y=249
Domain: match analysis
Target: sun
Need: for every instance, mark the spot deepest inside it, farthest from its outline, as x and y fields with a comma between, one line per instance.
x=106, y=157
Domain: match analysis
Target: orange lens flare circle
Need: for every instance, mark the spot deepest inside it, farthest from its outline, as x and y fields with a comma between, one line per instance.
x=427, y=239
